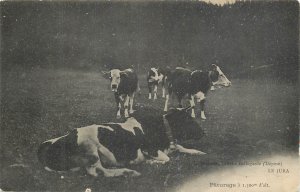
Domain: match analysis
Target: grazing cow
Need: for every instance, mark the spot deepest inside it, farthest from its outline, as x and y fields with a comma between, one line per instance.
x=195, y=84
x=145, y=136
x=124, y=84
x=155, y=77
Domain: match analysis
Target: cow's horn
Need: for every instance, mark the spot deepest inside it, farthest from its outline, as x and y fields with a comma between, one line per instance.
x=105, y=72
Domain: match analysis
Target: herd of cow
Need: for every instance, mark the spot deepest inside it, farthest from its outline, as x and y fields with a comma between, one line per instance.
x=147, y=134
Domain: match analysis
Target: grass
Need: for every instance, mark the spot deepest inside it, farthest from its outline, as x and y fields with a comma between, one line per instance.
x=252, y=118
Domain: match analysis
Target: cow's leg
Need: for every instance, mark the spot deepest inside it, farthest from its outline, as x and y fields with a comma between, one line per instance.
x=212, y=88
x=161, y=158
x=163, y=92
x=166, y=103
x=140, y=157
x=131, y=97
x=170, y=91
x=126, y=103
x=163, y=88
x=108, y=156
x=91, y=158
x=155, y=92
x=92, y=170
x=202, y=109
x=181, y=149
x=119, y=172
x=192, y=103
x=150, y=90
x=118, y=101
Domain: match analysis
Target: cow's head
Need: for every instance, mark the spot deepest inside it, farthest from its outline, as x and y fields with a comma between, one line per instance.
x=153, y=74
x=218, y=77
x=183, y=126
x=115, y=77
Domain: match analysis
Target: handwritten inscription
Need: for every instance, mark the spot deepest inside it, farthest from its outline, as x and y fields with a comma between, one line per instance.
x=239, y=185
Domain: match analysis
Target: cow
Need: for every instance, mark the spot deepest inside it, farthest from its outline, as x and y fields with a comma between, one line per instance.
x=155, y=77
x=124, y=84
x=195, y=84
x=146, y=136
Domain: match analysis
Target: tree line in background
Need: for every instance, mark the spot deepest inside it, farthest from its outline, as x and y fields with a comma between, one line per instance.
x=245, y=37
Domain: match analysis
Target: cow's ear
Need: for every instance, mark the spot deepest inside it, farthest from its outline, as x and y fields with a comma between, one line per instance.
x=214, y=67
x=106, y=74
x=122, y=73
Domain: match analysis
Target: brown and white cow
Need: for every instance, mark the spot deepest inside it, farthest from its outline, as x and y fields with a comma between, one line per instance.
x=124, y=84
x=145, y=136
x=194, y=84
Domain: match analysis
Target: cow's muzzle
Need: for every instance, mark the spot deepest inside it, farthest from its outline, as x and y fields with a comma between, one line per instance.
x=114, y=87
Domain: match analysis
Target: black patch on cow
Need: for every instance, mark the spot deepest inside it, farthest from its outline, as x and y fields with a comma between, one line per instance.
x=128, y=83
x=60, y=155
x=122, y=143
x=183, y=126
x=184, y=81
x=200, y=81
x=214, y=75
x=154, y=129
x=180, y=82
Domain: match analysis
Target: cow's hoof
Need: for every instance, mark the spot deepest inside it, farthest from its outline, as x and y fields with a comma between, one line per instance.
x=131, y=111
x=203, y=118
x=193, y=115
x=118, y=116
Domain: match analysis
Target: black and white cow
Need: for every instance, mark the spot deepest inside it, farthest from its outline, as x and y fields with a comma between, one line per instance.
x=155, y=77
x=145, y=136
x=124, y=84
x=195, y=84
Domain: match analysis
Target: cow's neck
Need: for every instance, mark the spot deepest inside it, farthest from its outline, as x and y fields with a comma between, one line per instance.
x=204, y=85
x=209, y=78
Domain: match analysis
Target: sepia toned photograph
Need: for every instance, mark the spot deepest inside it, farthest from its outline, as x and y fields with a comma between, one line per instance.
x=149, y=96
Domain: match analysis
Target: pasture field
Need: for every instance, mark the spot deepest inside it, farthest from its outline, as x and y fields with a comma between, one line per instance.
x=250, y=119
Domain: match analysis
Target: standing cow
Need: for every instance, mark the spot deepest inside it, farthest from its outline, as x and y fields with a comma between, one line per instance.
x=145, y=135
x=124, y=84
x=195, y=84
x=155, y=77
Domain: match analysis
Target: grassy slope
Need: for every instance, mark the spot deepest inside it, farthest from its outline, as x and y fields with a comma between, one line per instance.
x=249, y=119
